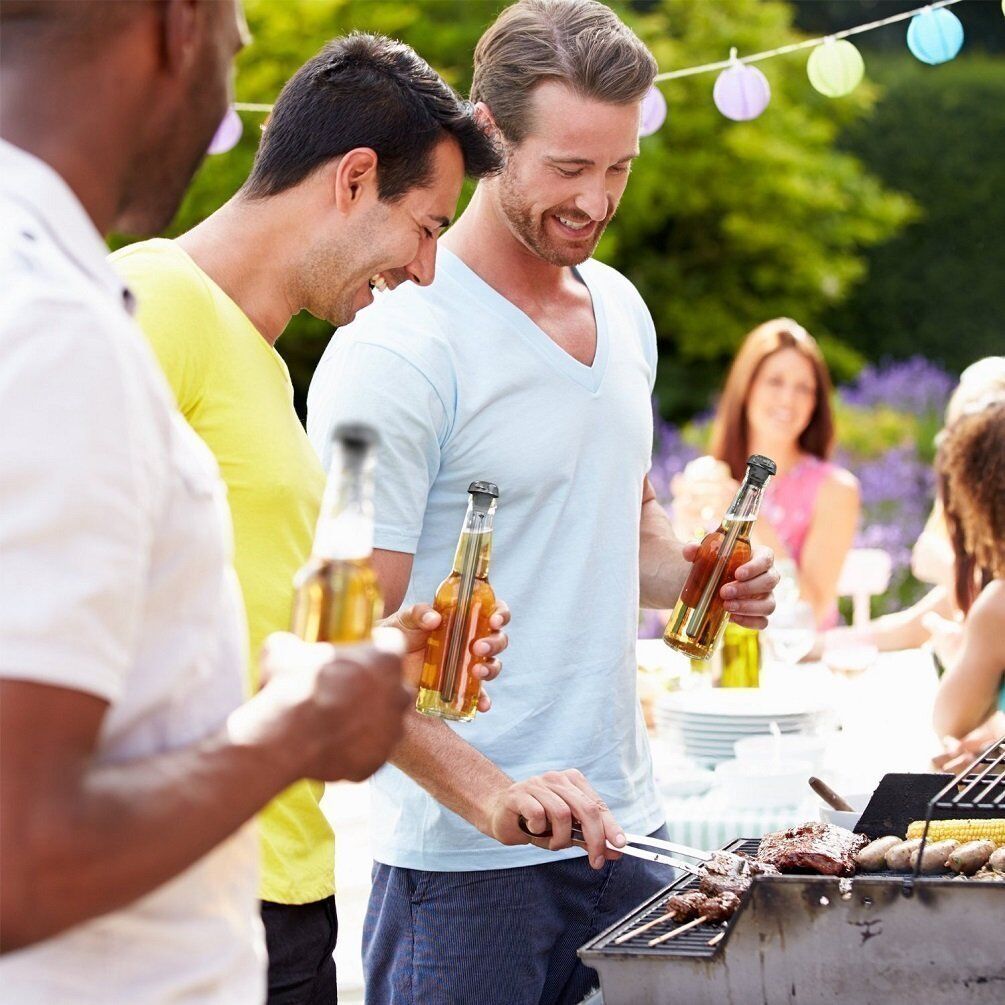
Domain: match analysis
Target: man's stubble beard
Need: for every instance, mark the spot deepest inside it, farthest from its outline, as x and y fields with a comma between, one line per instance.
x=530, y=229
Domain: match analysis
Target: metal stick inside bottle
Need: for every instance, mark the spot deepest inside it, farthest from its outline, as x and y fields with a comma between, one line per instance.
x=459, y=628
x=697, y=619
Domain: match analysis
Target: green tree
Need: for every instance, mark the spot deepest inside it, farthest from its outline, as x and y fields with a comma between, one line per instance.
x=723, y=225
x=938, y=133
x=727, y=224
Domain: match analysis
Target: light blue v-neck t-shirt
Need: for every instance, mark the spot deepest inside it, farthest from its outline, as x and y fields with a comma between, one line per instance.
x=463, y=386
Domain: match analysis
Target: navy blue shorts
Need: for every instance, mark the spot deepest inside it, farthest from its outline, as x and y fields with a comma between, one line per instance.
x=499, y=937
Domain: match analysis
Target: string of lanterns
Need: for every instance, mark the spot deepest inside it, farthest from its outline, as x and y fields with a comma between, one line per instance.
x=835, y=66
x=741, y=91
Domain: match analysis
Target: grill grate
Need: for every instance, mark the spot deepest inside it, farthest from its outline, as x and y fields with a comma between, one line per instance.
x=692, y=943
x=978, y=791
x=981, y=787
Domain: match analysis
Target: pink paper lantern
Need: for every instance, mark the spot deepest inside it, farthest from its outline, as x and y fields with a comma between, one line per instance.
x=654, y=111
x=741, y=92
x=227, y=133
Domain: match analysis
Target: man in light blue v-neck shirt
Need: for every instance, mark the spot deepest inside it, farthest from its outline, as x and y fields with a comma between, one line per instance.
x=531, y=365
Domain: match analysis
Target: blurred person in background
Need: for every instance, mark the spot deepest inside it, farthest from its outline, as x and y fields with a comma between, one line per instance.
x=971, y=470
x=776, y=402
x=129, y=763
x=344, y=200
x=935, y=617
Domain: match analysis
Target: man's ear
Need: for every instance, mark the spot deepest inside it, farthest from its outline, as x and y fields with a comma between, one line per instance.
x=181, y=22
x=485, y=118
x=354, y=180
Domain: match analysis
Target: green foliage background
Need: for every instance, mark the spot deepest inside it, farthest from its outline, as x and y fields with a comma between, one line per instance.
x=723, y=224
x=936, y=288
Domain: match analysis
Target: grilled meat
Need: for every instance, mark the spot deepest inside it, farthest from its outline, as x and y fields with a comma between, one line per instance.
x=970, y=857
x=814, y=847
x=872, y=858
x=715, y=884
x=898, y=858
x=934, y=857
x=694, y=904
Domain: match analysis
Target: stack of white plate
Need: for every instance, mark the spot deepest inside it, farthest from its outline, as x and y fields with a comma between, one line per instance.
x=706, y=723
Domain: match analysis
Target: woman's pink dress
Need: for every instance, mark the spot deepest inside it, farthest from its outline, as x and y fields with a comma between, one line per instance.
x=788, y=506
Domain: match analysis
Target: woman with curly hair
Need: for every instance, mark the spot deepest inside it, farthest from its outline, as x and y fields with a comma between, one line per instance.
x=971, y=470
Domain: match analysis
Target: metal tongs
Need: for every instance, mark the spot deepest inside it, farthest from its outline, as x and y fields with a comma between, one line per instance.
x=632, y=840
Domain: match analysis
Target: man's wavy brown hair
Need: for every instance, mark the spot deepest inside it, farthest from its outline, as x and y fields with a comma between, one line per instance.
x=971, y=471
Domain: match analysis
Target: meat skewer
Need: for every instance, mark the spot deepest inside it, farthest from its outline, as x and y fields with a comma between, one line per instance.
x=677, y=931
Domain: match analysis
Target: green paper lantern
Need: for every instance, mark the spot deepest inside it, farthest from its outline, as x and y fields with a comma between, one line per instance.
x=835, y=68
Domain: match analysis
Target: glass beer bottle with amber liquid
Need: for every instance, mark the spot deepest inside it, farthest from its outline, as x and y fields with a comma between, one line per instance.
x=699, y=617
x=336, y=595
x=447, y=688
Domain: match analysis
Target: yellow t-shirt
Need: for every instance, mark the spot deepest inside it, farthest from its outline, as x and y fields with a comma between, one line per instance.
x=235, y=391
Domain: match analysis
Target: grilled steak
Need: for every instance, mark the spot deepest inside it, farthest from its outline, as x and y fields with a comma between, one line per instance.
x=686, y=906
x=715, y=884
x=813, y=847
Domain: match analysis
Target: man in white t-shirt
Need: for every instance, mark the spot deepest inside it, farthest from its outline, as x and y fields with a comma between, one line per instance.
x=129, y=764
x=529, y=364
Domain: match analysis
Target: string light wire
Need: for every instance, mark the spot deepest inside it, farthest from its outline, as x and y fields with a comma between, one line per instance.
x=809, y=43
x=722, y=64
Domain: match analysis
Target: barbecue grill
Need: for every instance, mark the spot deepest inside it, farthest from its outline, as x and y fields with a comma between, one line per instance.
x=885, y=938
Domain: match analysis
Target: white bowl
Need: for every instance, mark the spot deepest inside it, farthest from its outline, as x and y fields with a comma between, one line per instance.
x=765, y=784
x=846, y=818
x=787, y=747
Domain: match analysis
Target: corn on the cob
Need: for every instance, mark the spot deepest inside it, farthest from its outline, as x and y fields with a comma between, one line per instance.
x=960, y=830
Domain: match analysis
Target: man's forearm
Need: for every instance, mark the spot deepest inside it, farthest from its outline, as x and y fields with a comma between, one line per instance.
x=449, y=769
x=662, y=568
x=119, y=831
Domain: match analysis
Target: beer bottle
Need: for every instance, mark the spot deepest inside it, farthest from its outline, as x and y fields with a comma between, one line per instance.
x=336, y=595
x=447, y=688
x=699, y=617
x=741, y=657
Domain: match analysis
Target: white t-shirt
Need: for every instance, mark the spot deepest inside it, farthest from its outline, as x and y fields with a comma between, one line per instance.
x=115, y=580
x=462, y=385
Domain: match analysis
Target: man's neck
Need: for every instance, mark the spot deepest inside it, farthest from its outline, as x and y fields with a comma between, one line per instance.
x=245, y=248
x=482, y=239
x=86, y=151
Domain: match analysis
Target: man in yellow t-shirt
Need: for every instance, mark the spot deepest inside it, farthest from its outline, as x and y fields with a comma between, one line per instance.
x=340, y=200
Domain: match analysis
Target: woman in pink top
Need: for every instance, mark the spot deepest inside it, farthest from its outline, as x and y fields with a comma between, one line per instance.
x=777, y=402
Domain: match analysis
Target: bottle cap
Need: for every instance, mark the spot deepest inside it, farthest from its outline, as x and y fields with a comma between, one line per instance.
x=484, y=489
x=355, y=436
x=760, y=468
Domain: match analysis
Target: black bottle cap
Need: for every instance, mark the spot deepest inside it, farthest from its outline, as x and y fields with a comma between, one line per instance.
x=761, y=468
x=355, y=436
x=484, y=489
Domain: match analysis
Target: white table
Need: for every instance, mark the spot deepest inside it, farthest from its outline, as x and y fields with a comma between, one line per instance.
x=885, y=726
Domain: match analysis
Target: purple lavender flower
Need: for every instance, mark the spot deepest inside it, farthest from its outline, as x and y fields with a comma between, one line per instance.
x=914, y=385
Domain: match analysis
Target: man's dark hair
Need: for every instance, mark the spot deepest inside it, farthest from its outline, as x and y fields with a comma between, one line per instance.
x=367, y=91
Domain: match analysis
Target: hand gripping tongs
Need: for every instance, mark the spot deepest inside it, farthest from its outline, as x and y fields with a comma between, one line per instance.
x=632, y=840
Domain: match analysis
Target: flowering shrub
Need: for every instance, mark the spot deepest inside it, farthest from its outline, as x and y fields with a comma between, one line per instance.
x=886, y=419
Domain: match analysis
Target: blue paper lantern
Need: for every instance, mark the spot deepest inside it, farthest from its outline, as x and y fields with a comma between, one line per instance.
x=935, y=36
x=741, y=92
x=654, y=111
x=227, y=133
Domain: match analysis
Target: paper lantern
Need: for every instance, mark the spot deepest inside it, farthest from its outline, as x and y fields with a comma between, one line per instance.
x=654, y=111
x=741, y=92
x=835, y=68
x=227, y=133
x=935, y=36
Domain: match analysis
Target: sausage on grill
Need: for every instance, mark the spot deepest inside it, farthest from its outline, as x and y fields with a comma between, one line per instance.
x=898, y=857
x=934, y=856
x=872, y=858
x=970, y=857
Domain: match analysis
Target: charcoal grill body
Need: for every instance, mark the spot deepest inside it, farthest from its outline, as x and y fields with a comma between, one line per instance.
x=804, y=940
